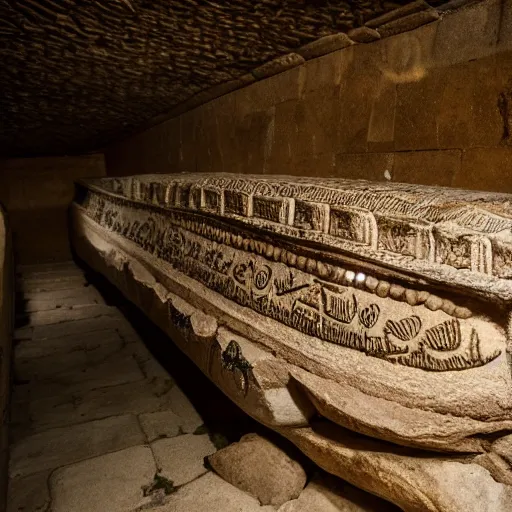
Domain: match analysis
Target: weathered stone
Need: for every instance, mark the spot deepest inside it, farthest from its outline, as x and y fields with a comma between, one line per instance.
x=301, y=295
x=209, y=492
x=88, y=342
x=29, y=494
x=328, y=494
x=62, y=446
x=57, y=316
x=183, y=408
x=257, y=466
x=112, y=482
x=363, y=35
x=180, y=459
x=68, y=303
x=469, y=33
x=131, y=398
x=158, y=425
x=407, y=23
x=278, y=65
x=395, y=14
x=48, y=285
x=503, y=447
x=112, y=371
x=324, y=45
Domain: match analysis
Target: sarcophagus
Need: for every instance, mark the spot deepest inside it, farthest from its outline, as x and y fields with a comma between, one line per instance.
x=367, y=322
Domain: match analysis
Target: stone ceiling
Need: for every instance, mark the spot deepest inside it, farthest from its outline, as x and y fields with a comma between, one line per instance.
x=77, y=75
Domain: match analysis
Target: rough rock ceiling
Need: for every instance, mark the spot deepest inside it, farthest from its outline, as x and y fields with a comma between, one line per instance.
x=75, y=75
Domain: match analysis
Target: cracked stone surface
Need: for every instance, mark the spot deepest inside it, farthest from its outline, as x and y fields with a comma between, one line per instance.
x=88, y=398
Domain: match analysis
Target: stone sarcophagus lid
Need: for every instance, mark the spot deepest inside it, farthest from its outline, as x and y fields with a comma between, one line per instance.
x=369, y=323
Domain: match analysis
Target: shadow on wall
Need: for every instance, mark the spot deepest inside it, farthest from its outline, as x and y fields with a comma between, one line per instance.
x=36, y=193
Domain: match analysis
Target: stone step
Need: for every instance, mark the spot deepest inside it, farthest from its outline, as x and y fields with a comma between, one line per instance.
x=57, y=316
x=60, y=275
x=86, y=342
x=86, y=325
x=85, y=292
x=46, y=267
x=69, y=409
x=49, y=285
x=33, y=305
x=67, y=445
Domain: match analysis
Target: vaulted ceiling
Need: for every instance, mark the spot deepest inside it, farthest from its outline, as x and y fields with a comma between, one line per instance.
x=76, y=75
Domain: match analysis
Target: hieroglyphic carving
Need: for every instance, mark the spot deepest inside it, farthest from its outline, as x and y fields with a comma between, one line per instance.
x=430, y=231
x=257, y=275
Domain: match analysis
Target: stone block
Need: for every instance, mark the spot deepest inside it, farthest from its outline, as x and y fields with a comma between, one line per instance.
x=62, y=446
x=181, y=459
x=395, y=14
x=60, y=315
x=469, y=114
x=211, y=493
x=328, y=494
x=363, y=35
x=86, y=293
x=113, y=371
x=259, y=467
x=485, y=169
x=381, y=127
x=29, y=494
x=88, y=342
x=468, y=33
x=184, y=408
x=417, y=111
x=86, y=325
x=326, y=71
x=50, y=285
x=505, y=34
x=325, y=45
x=279, y=65
x=435, y=168
x=407, y=23
x=364, y=166
x=37, y=305
x=110, y=482
x=158, y=425
x=260, y=96
x=131, y=398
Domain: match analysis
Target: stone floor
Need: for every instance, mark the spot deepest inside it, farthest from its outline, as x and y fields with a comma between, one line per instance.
x=97, y=423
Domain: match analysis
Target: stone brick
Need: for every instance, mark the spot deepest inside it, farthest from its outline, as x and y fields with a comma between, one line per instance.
x=51, y=284
x=314, y=165
x=131, y=398
x=485, y=169
x=184, y=408
x=86, y=293
x=435, y=168
x=113, y=371
x=326, y=71
x=265, y=94
x=468, y=33
x=359, y=80
x=87, y=325
x=29, y=494
x=181, y=459
x=211, y=493
x=62, y=446
x=381, y=127
x=325, y=45
x=157, y=425
x=418, y=104
x=505, y=35
x=111, y=482
x=364, y=166
x=60, y=315
x=33, y=305
x=468, y=114
x=87, y=342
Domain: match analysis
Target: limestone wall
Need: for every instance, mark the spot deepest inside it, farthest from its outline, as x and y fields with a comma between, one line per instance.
x=6, y=326
x=430, y=106
x=36, y=193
